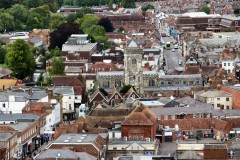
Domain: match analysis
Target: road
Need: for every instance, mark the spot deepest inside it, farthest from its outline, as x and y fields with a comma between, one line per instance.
x=171, y=58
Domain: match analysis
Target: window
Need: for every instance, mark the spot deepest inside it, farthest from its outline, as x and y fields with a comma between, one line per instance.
x=184, y=82
x=173, y=117
x=165, y=117
x=133, y=96
x=227, y=107
x=190, y=82
x=135, y=137
x=91, y=85
x=218, y=99
x=162, y=82
x=227, y=99
x=224, y=64
x=116, y=96
x=76, y=98
x=70, y=107
x=134, y=61
x=114, y=148
x=151, y=83
x=228, y=64
x=3, y=105
x=70, y=97
x=218, y=105
x=228, y=71
x=180, y=116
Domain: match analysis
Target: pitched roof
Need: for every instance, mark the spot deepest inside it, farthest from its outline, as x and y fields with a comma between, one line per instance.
x=7, y=83
x=65, y=81
x=140, y=117
x=37, y=106
x=129, y=93
x=102, y=66
x=4, y=72
x=44, y=31
x=132, y=44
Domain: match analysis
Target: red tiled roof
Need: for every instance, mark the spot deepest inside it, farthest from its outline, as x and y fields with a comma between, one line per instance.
x=140, y=117
x=101, y=66
x=6, y=129
x=36, y=107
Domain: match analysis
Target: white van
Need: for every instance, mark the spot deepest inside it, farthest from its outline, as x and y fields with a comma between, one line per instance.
x=176, y=46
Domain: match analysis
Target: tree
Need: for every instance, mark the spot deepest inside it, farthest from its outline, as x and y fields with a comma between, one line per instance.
x=125, y=88
x=56, y=20
x=106, y=23
x=71, y=17
x=61, y=34
x=57, y=66
x=105, y=93
x=88, y=21
x=34, y=20
x=6, y=22
x=205, y=9
x=20, y=59
x=96, y=30
x=2, y=54
x=237, y=11
x=127, y=3
x=83, y=11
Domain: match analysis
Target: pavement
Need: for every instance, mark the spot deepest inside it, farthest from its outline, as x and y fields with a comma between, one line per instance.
x=171, y=58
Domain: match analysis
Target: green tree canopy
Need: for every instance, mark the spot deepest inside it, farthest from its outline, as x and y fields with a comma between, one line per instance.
x=56, y=20
x=2, y=54
x=34, y=20
x=88, y=21
x=237, y=11
x=20, y=59
x=125, y=88
x=106, y=23
x=205, y=9
x=6, y=21
x=61, y=34
x=57, y=66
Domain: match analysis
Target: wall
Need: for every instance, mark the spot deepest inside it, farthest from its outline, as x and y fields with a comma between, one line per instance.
x=235, y=96
x=15, y=107
x=215, y=154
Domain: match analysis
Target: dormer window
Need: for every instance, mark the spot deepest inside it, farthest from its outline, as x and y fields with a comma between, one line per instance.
x=236, y=23
x=116, y=96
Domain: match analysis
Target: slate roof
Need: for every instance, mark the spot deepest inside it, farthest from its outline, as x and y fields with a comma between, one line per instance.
x=204, y=108
x=64, y=154
x=5, y=72
x=214, y=94
x=18, y=117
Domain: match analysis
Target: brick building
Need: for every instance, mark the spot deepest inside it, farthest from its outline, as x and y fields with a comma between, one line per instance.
x=234, y=90
x=215, y=151
x=140, y=124
x=43, y=34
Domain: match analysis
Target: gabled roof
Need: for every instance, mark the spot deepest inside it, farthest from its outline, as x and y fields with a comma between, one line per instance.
x=132, y=44
x=7, y=83
x=130, y=92
x=113, y=92
x=44, y=31
x=95, y=93
x=65, y=81
x=142, y=117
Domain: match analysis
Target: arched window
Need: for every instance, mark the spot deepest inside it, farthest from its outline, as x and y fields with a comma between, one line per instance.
x=134, y=61
x=135, y=137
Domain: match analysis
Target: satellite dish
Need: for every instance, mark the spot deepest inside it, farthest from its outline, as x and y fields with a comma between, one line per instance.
x=114, y=6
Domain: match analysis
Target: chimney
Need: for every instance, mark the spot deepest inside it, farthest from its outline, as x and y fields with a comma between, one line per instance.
x=113, y=135
x=50, y=94
x=30, y=91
